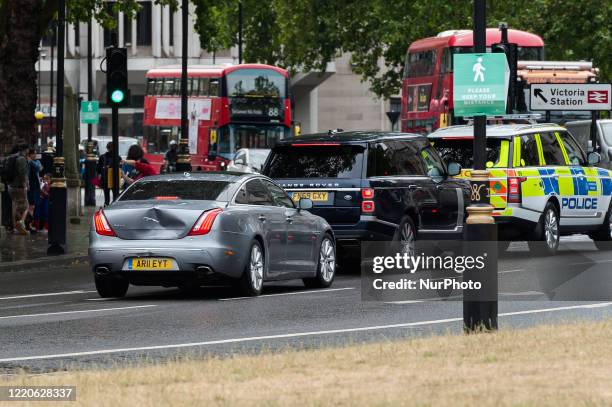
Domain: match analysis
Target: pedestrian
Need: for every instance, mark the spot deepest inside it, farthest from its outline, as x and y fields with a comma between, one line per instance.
x=142, y=168
x=17, y=177
x=34, y=169
x=42, y=207
x=171, y=157
x=105, y=162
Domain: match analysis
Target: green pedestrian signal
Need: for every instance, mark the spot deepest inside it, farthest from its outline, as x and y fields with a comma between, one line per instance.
x=117, y=96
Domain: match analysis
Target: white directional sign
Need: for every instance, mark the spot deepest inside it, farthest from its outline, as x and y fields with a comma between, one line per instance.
x=591, y=96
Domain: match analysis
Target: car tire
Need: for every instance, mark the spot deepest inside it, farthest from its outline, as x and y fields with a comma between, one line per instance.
x=406, y=235
x=603, y=237
x=547, y=234
x=251, y=282
x=111, y=286
x=503, y=246
x=326, y=266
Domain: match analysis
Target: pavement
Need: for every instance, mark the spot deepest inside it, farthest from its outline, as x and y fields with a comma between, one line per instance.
x=19, y=253
x=52, y=319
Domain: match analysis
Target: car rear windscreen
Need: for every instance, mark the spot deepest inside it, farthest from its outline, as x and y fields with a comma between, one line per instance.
x=193, y=190
x=461, y=151
x=317, y=161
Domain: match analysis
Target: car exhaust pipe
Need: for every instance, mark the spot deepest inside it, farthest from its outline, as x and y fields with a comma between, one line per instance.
x=102, y=270
x=204, y=270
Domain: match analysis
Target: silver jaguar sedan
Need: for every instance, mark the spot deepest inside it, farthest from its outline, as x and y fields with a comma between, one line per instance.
x=194, y=229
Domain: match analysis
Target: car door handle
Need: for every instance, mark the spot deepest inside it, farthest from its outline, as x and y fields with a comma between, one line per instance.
x=261, y=218
x=289, y=219
x=413, y=187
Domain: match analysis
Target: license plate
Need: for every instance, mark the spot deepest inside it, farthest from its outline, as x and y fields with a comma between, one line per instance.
x=313, y=196
x=150, y=263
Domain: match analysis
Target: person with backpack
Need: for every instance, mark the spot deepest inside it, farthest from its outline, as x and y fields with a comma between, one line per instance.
x=15, y=174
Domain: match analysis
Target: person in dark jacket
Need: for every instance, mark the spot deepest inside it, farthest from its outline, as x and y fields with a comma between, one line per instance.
x=105, y=162
x=18, y=187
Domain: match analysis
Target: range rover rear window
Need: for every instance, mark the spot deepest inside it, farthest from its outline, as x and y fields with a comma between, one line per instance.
x=316, y=161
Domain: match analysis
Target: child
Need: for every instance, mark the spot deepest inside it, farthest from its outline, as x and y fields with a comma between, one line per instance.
x=42, y=207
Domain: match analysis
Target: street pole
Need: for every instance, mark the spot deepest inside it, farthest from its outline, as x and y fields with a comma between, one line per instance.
x=480, y=225
x=57, y=194
x=239, y=31
x=183, y=162
x=90, y=160
x=115, y=134
x=593, y=130
x=51, y=119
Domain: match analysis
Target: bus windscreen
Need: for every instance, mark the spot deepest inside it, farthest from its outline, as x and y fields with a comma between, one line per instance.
x=256, y=83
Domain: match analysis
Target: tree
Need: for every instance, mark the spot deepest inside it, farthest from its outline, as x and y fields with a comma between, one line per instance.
x=23, y=23
x=306, y=34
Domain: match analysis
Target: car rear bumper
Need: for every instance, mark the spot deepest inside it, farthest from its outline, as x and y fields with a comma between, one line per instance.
x=198, y=259
x=368, y=228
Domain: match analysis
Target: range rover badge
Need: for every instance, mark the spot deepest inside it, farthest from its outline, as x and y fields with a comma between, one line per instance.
x=348, y=197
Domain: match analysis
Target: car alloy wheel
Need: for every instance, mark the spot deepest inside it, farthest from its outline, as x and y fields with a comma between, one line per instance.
x=327, y=260
x=551, y=229
x=326, y=266
x=407, y=238
x=256, y=267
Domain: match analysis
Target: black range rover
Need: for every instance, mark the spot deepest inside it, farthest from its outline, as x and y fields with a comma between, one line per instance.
x=373, y=185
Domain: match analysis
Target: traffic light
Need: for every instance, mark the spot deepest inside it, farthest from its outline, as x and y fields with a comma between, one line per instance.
x=117, y=92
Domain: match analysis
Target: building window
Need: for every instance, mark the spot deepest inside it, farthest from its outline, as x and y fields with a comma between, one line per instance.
x=127, y=31
x=171, y=30
x=143, y=22
x=108, y=33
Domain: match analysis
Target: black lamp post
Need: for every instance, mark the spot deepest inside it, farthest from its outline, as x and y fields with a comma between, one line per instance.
x=183, y=162
x=57, y=194
x=479, y=312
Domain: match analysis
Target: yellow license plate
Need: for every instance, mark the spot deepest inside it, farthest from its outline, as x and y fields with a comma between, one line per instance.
x=313, y=196
x=150, y=263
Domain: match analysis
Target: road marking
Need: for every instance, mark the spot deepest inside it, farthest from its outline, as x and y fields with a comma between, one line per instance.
x=291, y=293
x=510, y=271
x=16, y=297
x=589, y=262
x=405, y=302
x=283, y=336
x=76, y=312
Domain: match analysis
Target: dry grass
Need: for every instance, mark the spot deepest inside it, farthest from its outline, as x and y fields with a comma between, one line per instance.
x=547, y=365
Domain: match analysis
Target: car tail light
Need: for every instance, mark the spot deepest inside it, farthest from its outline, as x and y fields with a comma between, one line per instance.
x=367, y=206
x=367, y=193
x=205, y=222
x=101, y=224
x=514, y=189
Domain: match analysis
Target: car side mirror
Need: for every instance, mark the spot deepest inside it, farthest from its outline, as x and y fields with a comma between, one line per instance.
x=594, y=158
x=305, y=204
x=453, y=169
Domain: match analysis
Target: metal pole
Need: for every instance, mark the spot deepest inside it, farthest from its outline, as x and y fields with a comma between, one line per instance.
x=90, y=160
x=594, y=117
x=57, y=194
x=480, y=226
x=183, y=162
x=115, y=138
x=51, y=119
x=240, y=31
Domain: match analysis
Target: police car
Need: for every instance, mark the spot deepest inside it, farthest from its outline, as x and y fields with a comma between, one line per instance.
x=542, y=183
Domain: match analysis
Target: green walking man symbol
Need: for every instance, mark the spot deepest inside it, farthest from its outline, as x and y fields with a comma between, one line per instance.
x=478, y=70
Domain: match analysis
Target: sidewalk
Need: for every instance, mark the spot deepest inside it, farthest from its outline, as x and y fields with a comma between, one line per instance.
x=18, y=253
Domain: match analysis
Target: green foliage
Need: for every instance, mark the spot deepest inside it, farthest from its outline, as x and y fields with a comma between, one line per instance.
x=306, y=34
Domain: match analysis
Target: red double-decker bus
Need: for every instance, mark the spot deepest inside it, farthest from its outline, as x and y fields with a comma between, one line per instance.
x=427, y=87
x=230, y=107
